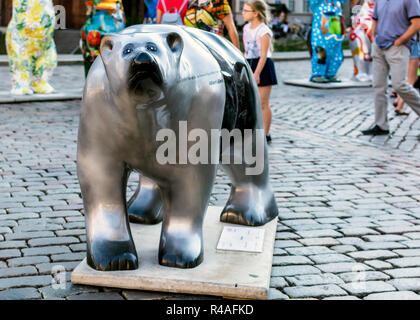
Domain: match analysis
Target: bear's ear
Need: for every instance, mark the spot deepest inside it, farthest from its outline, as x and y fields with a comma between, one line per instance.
x=175, y=42
x=107, y=44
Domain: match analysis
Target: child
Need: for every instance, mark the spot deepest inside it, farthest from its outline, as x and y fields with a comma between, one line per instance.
x=257, y=42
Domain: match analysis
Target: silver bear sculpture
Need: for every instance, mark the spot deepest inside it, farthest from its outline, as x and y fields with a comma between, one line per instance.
x=153, y=77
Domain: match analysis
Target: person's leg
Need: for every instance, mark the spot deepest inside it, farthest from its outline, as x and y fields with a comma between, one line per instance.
x=380, y=84
x=412, y=76
x=398, y=58
x=266, y=110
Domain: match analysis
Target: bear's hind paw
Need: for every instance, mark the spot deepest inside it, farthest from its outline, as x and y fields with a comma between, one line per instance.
x=105, y=255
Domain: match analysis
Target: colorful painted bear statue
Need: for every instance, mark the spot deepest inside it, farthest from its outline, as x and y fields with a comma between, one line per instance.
x=326, y=39
x=103, y=17
x=361, y=41
x=30, y=46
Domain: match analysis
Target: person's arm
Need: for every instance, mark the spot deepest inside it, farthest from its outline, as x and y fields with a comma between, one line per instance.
x=265, y=43
x=343, y=26
x=409, y=33
x=158, y=16
x=230, y=26
x=373, y=29
x=374, y=22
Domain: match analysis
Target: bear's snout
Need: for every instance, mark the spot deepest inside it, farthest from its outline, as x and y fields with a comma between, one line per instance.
x=144, y=68
x=143, y=58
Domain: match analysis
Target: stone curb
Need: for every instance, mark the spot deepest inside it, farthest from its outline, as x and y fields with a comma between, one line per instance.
x=6, y=98
x=63, y=60
x=299, y=55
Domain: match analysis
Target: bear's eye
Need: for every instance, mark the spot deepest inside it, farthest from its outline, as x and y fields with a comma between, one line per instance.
x=127, y=51
x=151, y=47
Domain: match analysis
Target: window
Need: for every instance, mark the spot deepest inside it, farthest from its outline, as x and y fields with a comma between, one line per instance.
x=306, y=6
x=292, y=5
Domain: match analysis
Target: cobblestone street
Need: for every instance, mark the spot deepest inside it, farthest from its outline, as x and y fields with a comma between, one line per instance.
x=349, y=222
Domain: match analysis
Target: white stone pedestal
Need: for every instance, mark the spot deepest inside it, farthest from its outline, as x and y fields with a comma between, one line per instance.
x=227, y=273
x=345, y=83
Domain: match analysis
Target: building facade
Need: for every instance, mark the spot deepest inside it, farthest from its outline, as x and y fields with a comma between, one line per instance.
x=299, y=10
x=75, y=11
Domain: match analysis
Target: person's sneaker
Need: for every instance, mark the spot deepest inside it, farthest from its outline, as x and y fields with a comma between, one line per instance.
x=268, y=138
x=375, y=131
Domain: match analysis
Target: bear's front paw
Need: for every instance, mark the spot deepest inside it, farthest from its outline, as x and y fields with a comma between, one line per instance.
x=181, y=250
x=19, y=91
x=107, y=255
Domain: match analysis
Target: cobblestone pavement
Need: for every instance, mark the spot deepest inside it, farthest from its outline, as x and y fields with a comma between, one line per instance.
x=349, y=222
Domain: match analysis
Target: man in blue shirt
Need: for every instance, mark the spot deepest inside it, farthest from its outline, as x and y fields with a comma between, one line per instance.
x=395, y=24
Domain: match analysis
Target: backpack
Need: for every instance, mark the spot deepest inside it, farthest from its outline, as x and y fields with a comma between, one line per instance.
x=172, y=18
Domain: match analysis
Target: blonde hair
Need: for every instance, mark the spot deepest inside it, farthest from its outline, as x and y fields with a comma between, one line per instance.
x=261, y=7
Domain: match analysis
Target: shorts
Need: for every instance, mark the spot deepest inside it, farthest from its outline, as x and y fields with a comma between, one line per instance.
x=268, y=73
x=415, y=52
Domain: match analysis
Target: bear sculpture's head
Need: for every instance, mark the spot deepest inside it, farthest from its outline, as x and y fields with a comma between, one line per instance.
x=140, y=64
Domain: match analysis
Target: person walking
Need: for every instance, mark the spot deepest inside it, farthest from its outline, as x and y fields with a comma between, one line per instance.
x=394, y=25
x=212, y=16
x=257, y=43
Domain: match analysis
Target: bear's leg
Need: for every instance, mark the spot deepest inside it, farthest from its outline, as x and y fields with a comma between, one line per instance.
x=185, y=200
x=251, y=201
x=318, y=61
x=45, y=65
x=334, y=58
x=145, y=206
x=103, y=183
x=20, y=68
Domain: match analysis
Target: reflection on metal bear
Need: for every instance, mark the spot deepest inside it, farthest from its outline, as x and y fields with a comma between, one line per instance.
x=103, y=17
x=361, y=42
x=132, y=91
x=326, y=39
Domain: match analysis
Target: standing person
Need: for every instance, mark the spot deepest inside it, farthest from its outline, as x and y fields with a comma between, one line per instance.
x=257, y=43
x=212, y=15
x=170, y=6
x=394, y=25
